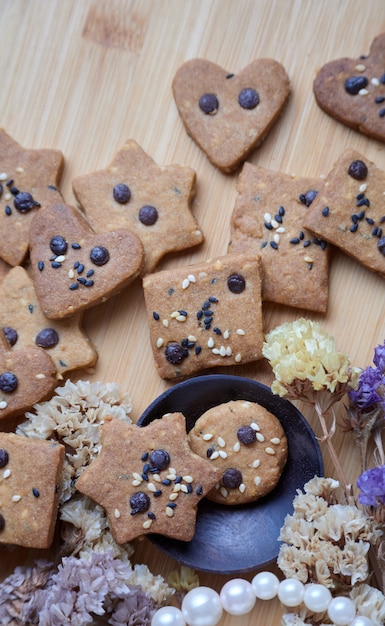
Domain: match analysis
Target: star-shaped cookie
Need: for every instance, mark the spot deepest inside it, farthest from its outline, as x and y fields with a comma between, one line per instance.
x=74, y=268
x=28, y=181
x=24, y=324
x=147, y=479
x=134, y=192
x=27, y=376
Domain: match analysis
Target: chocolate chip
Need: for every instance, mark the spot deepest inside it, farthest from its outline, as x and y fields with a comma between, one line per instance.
x=47, y=338
x=209, y=103
x=160, y=459
x=24, y=202
x=231, y=478
x=10, y=335
x=139, y=502
x=8, y=382
x=355, y=83
x=236, y=283
x=2, y=522
x=246, y=435
x=248, y=98
x=99, y=255
x=175, y=353
x=148, y=215
x=4, y=457
x=358, y=170
x=121, y=193
x=308, y=197
x=58, y=245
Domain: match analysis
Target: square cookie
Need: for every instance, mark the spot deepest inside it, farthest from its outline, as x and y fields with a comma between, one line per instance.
x=205, y=315
x=268, y=220
x=30, y=474
x=350, y=210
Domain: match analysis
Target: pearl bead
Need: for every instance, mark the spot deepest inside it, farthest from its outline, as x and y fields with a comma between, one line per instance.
x=291, y=592
x=361, y=620
x=168, y=616
x=202, y=607
x=237, y=597
x=341, y=611
x=265, y=585
x=317, y=598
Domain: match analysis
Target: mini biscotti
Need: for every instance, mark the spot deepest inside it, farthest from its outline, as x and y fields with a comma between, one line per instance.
x=205, y=315
x=226, y=114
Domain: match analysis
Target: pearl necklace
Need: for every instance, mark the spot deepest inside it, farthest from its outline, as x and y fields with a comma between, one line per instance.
x=203, y=606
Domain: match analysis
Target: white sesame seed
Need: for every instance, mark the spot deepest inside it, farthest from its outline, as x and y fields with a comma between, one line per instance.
x=260, y=437
x=6, y=473
x=245, y=404
x=363, y=187
x=275, y=441
x=222, y=454
x=185, y=283
x=363, y=92
x=60, y=259
x=226, y=334
x=191, y=338
x=19, y=169
x=221, y=442
x=214, y=455
x=238, y=358
x=281, y=229
x=308, y=259
x=229, y=351
x=237, y=447
x=136, y=483
x=71, y=273
x=16, y=498
x=159, y=342
x=210, y=343
x=257, y=480
x=216, y=351
x=40, y=376
x=3, y=176
x=276, y=238
x=184, y=488
x=270, y=451
x=242, y=487
x=177, y=488
x=207, y=436
x=174, y=314
x=3, y=404
x=223, y=492
x=256, y=463
x=255, y=426
x=147, y=523
x=173, y=496
x=202, y=274
x=137, y=476
x=267, y=218
x=191, y=278
x=375, y=81
x=274, y=223
x=188, y=478
x=169, y=511
x=8, y=196
x=181, y=318
x=171, y=476
x=222, y=351
x=165, y=323
x=117, y=513
x=156, y=477
x=360, y=67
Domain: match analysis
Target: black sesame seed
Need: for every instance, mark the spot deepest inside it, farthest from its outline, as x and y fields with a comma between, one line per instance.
x=73, y=286
x=354, y=84
x=363, y=202
x=99, y=255
x=353, y=228
x=35, y=492
x=199, y=490
x=82, y=280
x=268, y=226
x=89, y=283
x=370, y=221
x=325, y=211
x=144, y=476
x=301, y=235
x=361, y=215
x=140, y=502
x=47, y=338
x=206, y=305
x=381, y=245
x=121, y=193
x=248, y=98
x=208, y=103
x=189, y=488
x=306, y=243
x=90, y=273
x=146, y=467
x=40, y=266
x=274, y=245
x=198, y=350
x=14, y=191
x=358, y=170
x=217, y=330
x=144, y=456
x=379, y=99
x=166, y=482
x=30, y=308
x=182, y=312
x=294, y=240
x=199, y=314
x=157, y=493
x=281, y=211
x=8, y=382
x=236, y=283
x=174, y=353
x=151, y=515
x=148, y=215
x=8, y=210
x=10, y=335
x=230, y=75
x=208, y=313
x=171, y=505
x=75, y=246
x=264, y=244
x=4, y=457
x=381, y=112
x=80, y=268
x=9, y=182
x=231, y=478
x=178, y=480
x=213, y=299
x=56, y=264
x=209, y=452
x=278, y=218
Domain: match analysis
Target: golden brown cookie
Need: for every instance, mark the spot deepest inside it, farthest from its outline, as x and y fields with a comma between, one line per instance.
x=267, y=220
x=27, y=376
x=352, y=91
x=228, y=115
x=205, y=315
x=154, y=202
x=28, y=181
x=247, y=444
x=72, y=267
x=147, y=479
x=349, y=212
x=24, y=325
x=30, y=474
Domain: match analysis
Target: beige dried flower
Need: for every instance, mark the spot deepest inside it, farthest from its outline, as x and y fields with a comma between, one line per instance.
x=369, y=602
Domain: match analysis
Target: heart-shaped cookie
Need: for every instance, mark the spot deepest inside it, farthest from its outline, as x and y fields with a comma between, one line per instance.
x=228, y=115
x=352, y=91
x=72, y=267
x=27, y=376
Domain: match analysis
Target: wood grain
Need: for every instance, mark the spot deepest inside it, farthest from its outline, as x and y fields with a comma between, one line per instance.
x=85, y=76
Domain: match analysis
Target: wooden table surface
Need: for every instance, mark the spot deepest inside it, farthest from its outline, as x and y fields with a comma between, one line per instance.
x=83, y=76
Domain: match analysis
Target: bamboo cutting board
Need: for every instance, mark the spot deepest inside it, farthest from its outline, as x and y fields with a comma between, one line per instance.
x=84, y=76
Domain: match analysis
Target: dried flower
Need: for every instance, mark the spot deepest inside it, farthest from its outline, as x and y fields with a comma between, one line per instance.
x=17, y=589
x=372, y=487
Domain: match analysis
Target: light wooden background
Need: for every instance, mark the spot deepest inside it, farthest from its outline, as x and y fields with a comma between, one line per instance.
x=83, y=76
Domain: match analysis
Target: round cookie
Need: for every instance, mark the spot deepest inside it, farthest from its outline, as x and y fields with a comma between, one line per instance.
x=247, y=443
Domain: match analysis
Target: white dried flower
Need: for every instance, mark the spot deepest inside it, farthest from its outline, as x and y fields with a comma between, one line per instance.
x=369, y=602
